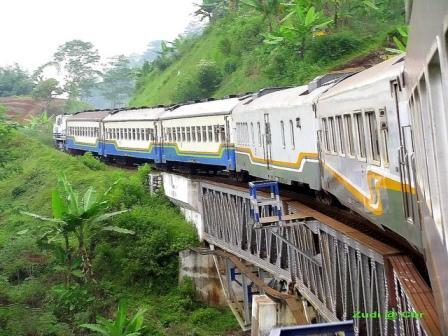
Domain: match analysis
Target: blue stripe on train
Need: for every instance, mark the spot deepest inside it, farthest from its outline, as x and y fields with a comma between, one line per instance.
x=71, y=144
x=226, y=158
x=154, y=154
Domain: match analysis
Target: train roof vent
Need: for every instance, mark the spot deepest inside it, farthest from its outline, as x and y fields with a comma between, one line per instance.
x=231, y=96
x=266, y=91
x=327, y=79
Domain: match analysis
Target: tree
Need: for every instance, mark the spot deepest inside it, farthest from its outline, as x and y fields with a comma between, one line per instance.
x=46, y=90
x=79, y=59
x=121, y=326
x=78, y=217
x=14, y=81
x=118, y=81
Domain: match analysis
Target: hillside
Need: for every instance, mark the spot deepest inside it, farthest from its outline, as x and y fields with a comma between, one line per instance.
x=140, y=269
x=237, y=53
x=22, y=108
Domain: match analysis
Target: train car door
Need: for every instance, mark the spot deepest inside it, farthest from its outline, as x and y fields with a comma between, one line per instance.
x=226, y=132
x=267, y=141
x=406, y=157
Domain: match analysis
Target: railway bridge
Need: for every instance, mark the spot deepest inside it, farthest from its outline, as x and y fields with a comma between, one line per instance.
x=281, y=262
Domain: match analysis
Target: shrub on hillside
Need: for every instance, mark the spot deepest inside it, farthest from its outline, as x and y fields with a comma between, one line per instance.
x=332, y=47
x=201, y=84
x=92, y=162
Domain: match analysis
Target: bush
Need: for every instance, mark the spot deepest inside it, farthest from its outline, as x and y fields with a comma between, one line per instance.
x=92, y=162
x=333, y=47
x=209, y=77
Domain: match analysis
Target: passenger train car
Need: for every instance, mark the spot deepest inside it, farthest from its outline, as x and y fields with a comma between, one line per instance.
x=85, y=132
x=276, y=136
x=364, y=121
x=133, y=133
x=426, y=78
x=340, y=137
x=199, y=134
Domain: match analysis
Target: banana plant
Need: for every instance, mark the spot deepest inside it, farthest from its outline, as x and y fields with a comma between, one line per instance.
x=299, y=26
x=121, y=326
x=401, y=41
x=270, y=9
x=74, y=216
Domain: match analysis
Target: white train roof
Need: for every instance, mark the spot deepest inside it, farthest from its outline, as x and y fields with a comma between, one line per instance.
x=207, y=108
x=95, y=115
x=387, y=69
x=147, y=113
x=284, y=98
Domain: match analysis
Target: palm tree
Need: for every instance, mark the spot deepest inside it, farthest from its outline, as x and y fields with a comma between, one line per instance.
x=78, y=217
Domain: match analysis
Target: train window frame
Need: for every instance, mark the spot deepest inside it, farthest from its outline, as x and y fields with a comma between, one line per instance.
x=282, y=130
x=341, y=134
x=360, y=138
x=209, y=133
x=325, y=137
x=368, y=113
x=204, y=133
x=252, y=133
x=350, y=138
x=216, y=133
x=198, y=133
x=223, y=133
x=332, y=133
x=292, y=135
x=188, y=133
x=259, y=134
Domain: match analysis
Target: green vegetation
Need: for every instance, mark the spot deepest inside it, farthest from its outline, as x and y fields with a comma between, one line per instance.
x=48, y=287
x=252, y=44
x=14, y=81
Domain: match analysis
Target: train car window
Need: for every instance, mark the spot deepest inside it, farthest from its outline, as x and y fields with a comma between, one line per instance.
x=178, y=133
x=373, y=134
x=138, y=134
x=204, y=133
x=188, y=130
x=252, y=136
x=282, y=128
x=259, y=133
x=333, y=134
x=223, y=133
x=292, y=135
x=134, y=134
x=198, y=133
x=216, y=132
x=193, y=134
x=340, y=126
x=183, y=133
x=326, y=139
x=210, y=133
x=122, y=133
x=174, y=134
x=350, y=138
x=361, y=135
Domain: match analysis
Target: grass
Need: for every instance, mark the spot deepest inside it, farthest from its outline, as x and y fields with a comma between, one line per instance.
x=141, y=269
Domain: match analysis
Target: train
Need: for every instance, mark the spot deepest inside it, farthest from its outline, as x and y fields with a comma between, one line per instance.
x=426, y=78
x=338, y=136
x=374, y=140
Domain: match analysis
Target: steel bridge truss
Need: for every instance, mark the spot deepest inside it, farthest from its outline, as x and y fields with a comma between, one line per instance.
x=335, y=273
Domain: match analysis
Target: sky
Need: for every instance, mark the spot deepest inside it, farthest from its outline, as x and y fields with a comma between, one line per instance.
x=31, y=30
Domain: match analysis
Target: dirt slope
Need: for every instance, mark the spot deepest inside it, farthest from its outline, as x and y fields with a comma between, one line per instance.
x=22, y=108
